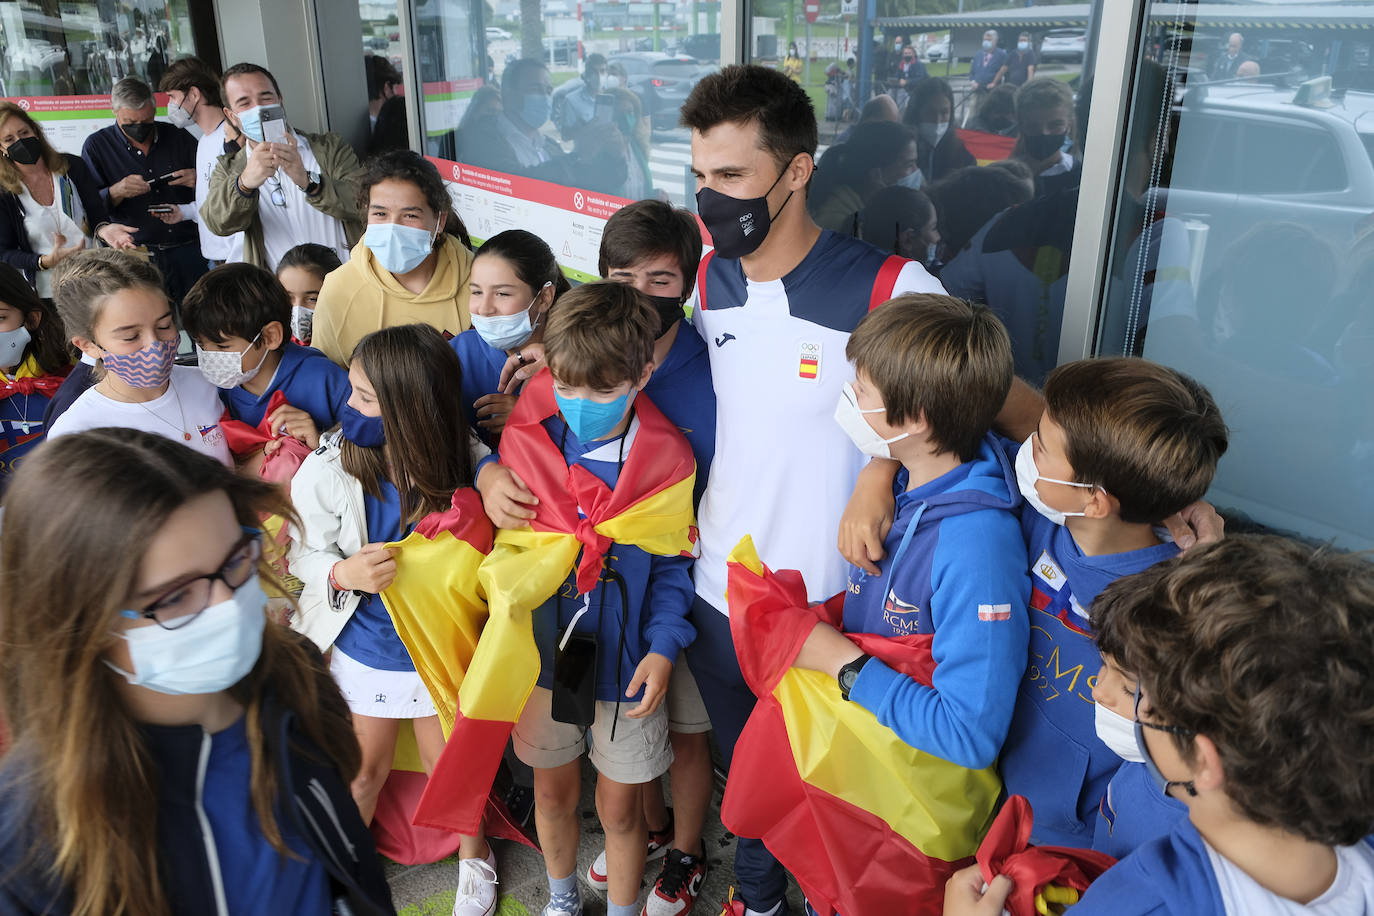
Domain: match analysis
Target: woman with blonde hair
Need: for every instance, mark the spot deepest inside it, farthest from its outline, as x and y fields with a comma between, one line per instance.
x=50, y=205
x=174, y=752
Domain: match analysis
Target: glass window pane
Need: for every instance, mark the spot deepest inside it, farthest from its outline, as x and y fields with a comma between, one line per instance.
x=550, y=116
x=1242, y=252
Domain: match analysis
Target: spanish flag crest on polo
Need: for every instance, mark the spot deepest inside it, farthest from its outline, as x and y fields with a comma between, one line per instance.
x=864, y=821
x=480, y=693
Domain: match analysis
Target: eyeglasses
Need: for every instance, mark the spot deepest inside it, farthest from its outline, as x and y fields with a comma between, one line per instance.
x=183, y=603
x=275, y=192
x=1171, y=729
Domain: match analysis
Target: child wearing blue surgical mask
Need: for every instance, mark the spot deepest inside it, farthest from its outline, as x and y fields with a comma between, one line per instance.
x=34, y=360
x=411, y=265
x=402, y=449
x=115, y=310
x=1123, y=444
x=173, y=751
x=515, y=280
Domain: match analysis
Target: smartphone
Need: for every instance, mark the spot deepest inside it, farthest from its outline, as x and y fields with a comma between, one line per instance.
x=605, y=108
x=161, y=180
x=574, y=681
x=273, y=120
x=163, y=209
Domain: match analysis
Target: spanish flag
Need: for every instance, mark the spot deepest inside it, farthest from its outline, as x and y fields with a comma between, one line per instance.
x=865, y=822
x=986, y=147
x=650, y=508
x=1047, y=879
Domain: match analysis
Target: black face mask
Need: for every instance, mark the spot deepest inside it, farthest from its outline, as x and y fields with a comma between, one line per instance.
x=1043, y=146
x=138, y=131
x=737, y=225
x=25, y=150
x=670, y=312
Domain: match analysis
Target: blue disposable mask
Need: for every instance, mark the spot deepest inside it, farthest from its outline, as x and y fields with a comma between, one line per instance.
x=362, y=430
x=399, y=249
x=211, y=653
x=987, y=45
x=912, y=179
x=506, y=332
x=592, y=420
x=534, y=110
x=1023, y=46
x=250, y=122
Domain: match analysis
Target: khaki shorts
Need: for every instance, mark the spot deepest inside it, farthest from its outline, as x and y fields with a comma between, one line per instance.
x=686, y=711
x=640, y=752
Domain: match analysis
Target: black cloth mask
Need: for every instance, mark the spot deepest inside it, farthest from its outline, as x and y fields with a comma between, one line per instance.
x=25, y=150
x=737, y=225
x=138, y=131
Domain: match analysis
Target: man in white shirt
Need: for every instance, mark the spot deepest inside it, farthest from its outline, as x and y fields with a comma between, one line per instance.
x=301, y=188
x=193, y=103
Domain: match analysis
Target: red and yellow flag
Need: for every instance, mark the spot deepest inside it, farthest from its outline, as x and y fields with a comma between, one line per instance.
x=1046, y=879
x=986, y=147
x=864, y=821
x=480, y=693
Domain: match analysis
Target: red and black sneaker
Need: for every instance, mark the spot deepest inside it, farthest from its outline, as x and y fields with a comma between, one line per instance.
x=677, y=886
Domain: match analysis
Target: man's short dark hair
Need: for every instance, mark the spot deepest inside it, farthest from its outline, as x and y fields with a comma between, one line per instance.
x=189, y=73
x=379, y=72
x=244, y=69
x=747, y=93
x=648, y=229
x=1263, y=645
x=235, y=300
x=593, y=61
x=514, y=74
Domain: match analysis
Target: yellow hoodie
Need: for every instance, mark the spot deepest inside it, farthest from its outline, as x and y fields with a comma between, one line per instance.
x=361, y=297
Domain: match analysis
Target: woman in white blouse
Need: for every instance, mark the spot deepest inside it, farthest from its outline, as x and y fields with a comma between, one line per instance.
x=50, y=204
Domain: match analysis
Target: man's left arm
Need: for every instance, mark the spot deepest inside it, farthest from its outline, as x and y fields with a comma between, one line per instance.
x=340, y=178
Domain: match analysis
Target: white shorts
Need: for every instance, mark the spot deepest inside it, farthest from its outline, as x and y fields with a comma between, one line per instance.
x=380, y=694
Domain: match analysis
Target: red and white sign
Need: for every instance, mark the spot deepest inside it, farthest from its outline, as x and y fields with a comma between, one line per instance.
x=813, y=10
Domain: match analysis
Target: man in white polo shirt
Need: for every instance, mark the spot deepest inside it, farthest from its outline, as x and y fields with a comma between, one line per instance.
x=777, y=299
x=302, y=188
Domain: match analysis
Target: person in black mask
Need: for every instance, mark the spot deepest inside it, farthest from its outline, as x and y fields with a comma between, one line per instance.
x=147, y=175
x=42, y=193
x=1047, y=143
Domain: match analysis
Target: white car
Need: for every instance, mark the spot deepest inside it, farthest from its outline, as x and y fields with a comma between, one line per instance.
x=939, y=50
x=495, y=34
x=1064, y=45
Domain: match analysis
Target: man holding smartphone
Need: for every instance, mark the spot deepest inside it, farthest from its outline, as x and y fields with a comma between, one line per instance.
x=284, y=187
x=147, y=174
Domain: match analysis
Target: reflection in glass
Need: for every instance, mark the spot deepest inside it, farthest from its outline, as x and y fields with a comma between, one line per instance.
x=1242, y=253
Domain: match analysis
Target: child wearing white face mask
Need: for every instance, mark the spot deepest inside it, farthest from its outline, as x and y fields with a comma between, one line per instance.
x=1123, y=444
x=114, y=309
x=238, y=316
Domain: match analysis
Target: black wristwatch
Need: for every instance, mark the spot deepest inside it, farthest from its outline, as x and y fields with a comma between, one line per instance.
x=850, y=673
x=313, y=187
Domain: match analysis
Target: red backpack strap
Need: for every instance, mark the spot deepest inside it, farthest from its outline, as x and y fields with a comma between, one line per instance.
x=701, y=278
x=886, y=281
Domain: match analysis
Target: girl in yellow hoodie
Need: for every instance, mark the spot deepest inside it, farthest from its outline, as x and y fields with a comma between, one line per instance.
x=411, y=266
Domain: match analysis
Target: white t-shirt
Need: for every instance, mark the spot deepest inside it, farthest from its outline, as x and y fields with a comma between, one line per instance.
x=42, y=225
x=283, y=228
x=214, y=247
x=188, y=412
x=1351, y=894
x=783, y=470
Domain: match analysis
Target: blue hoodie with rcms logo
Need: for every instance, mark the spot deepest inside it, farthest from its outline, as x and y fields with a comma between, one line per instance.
x=954, y=568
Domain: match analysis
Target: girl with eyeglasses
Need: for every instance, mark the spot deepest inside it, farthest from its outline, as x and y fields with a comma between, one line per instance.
x=174, y=752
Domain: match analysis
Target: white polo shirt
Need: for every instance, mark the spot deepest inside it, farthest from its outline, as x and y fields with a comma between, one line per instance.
x=783, y=469
x=213, y=247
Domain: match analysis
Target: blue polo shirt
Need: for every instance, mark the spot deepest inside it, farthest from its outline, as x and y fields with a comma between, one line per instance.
x=310, y=381
x=112, y=157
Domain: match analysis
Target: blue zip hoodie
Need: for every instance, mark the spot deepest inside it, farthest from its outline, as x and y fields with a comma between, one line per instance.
x=1134, y=812
x=659, y=590
x=310, y=381
x=953, y=568
x=1053, y=755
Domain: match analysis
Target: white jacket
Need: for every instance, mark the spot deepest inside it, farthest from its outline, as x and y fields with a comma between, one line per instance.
x=329, y=502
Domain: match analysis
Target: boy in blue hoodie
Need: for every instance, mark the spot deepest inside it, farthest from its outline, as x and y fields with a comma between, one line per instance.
x=1252, y=710
x=239, y=317
x=931, y=373
x=1123, y=443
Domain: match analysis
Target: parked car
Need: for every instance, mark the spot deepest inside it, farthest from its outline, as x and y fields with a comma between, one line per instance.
x=495, y=34
x=662, y=82
x=939, y=50
x=1064, y=45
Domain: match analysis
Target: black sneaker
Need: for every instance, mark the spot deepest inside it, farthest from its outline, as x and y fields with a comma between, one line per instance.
x=519, y=801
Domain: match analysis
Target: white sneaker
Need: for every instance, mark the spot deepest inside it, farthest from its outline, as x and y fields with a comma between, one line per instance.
x=596, y=874
x=476, y=887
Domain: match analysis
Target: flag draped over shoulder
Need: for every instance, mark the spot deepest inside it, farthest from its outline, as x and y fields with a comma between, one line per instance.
x=650, y=508
x=1047, y=878
x=864, y=821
